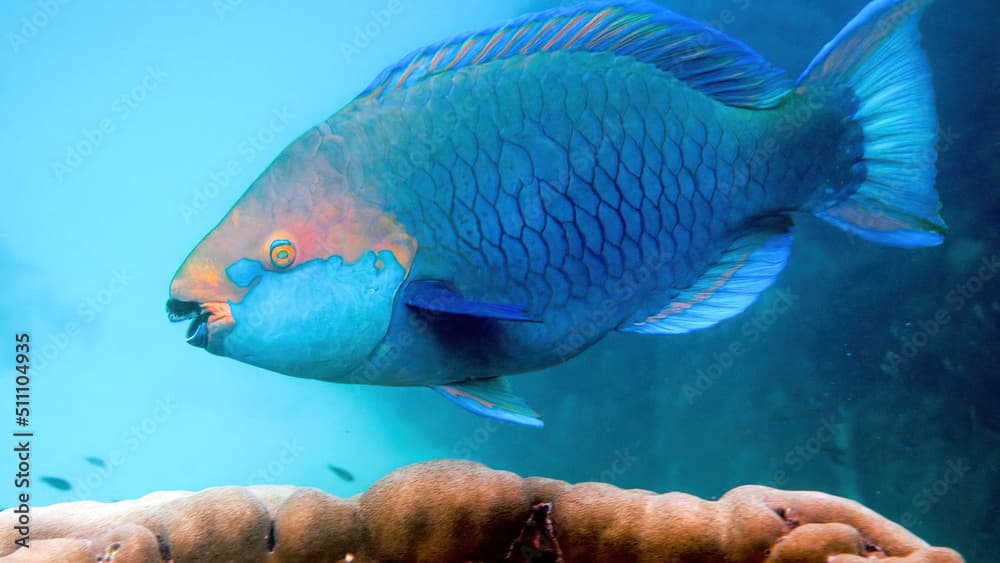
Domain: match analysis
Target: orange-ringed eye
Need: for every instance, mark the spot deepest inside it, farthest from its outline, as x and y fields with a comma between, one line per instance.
x=282, y=253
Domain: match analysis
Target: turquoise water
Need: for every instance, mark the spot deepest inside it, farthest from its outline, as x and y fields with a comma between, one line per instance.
x=130, y=130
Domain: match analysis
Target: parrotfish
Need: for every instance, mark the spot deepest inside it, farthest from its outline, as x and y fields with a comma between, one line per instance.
x=498, y=202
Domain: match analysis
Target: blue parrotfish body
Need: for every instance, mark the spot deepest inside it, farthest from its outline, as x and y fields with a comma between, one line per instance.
x=499, y=202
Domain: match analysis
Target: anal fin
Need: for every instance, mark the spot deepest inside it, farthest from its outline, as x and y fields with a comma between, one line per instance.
x=491, y=398
x=748, y=267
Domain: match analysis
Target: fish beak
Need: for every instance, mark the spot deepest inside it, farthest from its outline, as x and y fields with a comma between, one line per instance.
x=201, y=293
x=197, y=332
x=210, y=321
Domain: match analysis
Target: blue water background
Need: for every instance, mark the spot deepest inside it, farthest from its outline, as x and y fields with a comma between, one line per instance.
x=130, y=129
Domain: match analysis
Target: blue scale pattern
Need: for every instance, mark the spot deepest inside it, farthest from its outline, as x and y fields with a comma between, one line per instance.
x=569, y=183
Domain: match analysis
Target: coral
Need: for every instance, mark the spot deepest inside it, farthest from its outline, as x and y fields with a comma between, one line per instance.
x=462, y=511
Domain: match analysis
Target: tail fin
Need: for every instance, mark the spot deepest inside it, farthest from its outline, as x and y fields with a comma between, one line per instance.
x=878, y=57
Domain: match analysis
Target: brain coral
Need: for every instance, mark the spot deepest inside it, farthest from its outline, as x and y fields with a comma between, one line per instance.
x=448, y=510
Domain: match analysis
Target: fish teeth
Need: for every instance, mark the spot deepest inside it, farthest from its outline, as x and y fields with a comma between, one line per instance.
x=178, y=311
x=197, y=333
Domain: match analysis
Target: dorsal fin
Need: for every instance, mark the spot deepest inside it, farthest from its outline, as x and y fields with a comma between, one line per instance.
x=704, y=58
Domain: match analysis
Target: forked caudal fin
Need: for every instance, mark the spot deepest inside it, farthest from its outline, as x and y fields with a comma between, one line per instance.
x=878, y=57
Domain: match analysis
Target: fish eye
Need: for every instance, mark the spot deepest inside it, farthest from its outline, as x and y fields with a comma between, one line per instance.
x=282, y=253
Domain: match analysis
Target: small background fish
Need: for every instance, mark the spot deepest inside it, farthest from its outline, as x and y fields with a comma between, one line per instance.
x=342, y=473
x=57, y=483
x=95, y=461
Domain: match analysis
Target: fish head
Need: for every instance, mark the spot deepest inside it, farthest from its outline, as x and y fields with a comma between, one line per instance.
x=300, y=276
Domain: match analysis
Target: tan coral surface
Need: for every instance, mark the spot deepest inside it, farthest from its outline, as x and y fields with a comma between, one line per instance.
x=449, y=510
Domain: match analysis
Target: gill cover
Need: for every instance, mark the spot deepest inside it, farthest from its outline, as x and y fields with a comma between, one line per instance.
x=320, y=319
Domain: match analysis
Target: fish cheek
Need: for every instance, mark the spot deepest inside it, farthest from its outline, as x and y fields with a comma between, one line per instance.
x=320, y=320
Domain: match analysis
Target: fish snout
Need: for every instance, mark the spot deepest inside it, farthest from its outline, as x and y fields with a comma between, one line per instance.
x=197, y=332
x=201, y=294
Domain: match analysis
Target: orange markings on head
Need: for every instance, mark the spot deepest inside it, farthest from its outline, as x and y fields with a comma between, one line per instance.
x=203, y=279
x=335, y=225
x=282, y=225
x=345, y=227
x=203, y=274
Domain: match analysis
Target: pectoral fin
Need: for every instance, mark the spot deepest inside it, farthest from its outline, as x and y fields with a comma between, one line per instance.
x=491, y=398
x=434, y=296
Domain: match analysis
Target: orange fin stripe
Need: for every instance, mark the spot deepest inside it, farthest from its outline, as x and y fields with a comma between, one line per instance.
x=513, y=40
x=602, y=37
x=459, y=393
x=409, y=71
x=436, y=60
x=545, y=29
x=701, y=296
x=594, y=22
x=630, y=37
x=461, y=53
x=489, y=46
x=563, y=32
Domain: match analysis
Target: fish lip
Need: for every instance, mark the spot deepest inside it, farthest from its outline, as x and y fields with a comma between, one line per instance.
x=178, y=310
x=197, y=332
